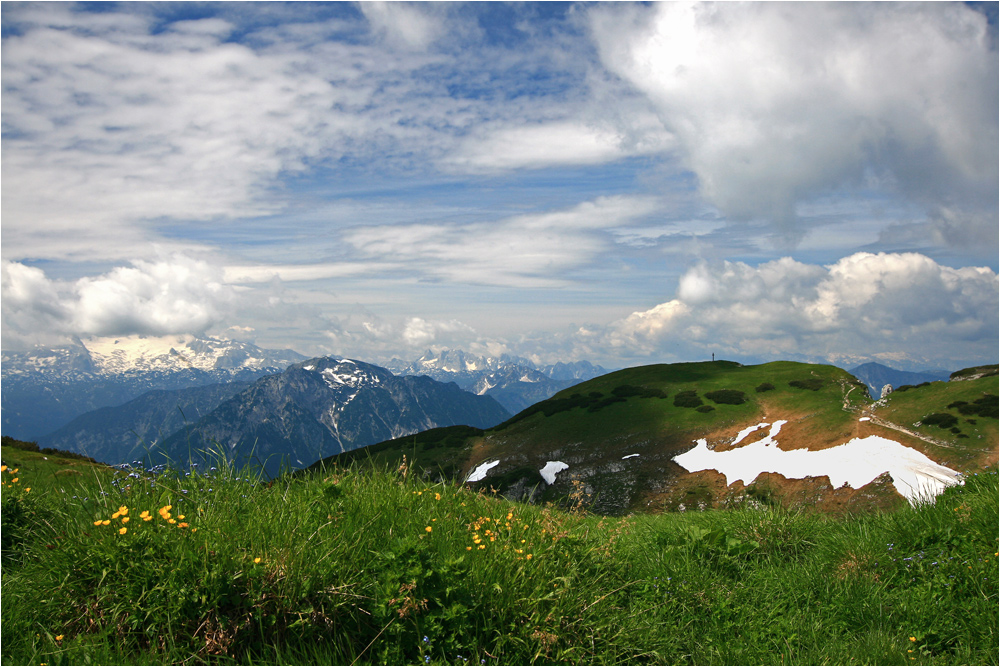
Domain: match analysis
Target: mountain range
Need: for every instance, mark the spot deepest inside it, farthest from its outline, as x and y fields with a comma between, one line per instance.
x=515, y=382
x=44, y=389
x=877, y=376
x=322, y=406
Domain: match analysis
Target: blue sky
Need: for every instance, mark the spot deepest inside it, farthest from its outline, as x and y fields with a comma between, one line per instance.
x=622, y=183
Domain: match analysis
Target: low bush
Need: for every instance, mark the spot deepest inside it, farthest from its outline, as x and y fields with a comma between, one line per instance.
x=704, y=408
x=764, y=386
x=687, y=399
x=812, y=384
x=627, y=391
x=940, y=419
x=727, y=396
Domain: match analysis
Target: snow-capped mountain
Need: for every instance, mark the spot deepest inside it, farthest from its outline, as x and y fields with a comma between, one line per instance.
x=127, y=354
x=323, y=406
x=45, y=388
x=515, y=382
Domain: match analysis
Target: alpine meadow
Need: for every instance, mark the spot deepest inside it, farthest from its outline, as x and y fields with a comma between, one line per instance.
x=482, y=333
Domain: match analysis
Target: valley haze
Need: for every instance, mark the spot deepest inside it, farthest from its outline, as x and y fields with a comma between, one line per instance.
x=617, y=183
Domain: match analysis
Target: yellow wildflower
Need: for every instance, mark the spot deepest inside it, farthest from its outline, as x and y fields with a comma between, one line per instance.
x=528, y=556
x=913, y=639
x=180, y=517
x=124, y=519
x=123, y=510
x=59, y=638
x=116, y=515
x=106, y=522
x=428, y=529
x=194, y=530
x=14, y=481
x=437, y=496
x=468, y=548
x=98, y=522
x=183, y=524
x=482, y=546
x=28, y=490
x=256, y=560
x=3, y=468
x=122, y=530
x=171, y=521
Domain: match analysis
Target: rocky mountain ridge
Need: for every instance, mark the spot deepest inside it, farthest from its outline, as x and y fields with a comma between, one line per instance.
x=323, y=406
x=515, y=382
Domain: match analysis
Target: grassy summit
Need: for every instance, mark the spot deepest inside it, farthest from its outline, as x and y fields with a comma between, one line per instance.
x=368, y=566
x=619, y=433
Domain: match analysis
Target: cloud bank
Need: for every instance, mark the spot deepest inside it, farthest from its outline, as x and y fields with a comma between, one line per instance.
x=773, y=103
x=178, y=295
x=893, y=307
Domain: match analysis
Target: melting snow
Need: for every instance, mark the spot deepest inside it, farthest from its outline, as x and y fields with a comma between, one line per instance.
x=480, y=472
x=308, y=368
x=864, y=419
x=747, y=431
x=551, y=469
x=629, y=456
x=854, y=463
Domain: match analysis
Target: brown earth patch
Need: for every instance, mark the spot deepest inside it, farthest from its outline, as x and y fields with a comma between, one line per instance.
x=707, y=489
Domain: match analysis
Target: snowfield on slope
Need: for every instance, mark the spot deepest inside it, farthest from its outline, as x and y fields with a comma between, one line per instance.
x=855, y=463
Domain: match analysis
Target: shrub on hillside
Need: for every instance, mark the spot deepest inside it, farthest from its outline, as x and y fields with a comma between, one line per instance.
x=687, y=399
x=907, y=387
x=940, y=419
x=627, y=391
x=764, y=386
x=704, y=408
x=812, y=384
x=727, y=396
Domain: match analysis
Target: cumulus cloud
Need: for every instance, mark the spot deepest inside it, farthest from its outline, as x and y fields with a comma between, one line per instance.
x=885, y=305
x=175, y=295
x=774, y=103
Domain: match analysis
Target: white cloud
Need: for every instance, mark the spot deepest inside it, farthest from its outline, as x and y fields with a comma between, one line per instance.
x=406, y=24
x=882, y=305
x=774, y=103
x=175, y=295
x=551, y=144
x=531, y=250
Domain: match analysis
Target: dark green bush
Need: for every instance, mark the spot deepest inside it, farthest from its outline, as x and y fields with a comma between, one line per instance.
x=687, y=399
x=812, y=384
x=764, y=386
x=940, y=419
x=704, y=408
x=627, y=391
x=727, y=396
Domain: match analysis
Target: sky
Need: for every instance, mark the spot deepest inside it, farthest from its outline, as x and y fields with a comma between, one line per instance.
x=621, y=183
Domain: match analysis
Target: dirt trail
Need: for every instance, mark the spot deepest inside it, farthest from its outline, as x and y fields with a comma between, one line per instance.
x=926, y=438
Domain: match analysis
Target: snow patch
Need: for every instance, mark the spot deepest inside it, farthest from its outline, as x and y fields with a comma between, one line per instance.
x=856, y=463
x=865, y=419
x=480, y=472
x=309, y=368
x=551, y=469
x=747, y=431
x=629, y=456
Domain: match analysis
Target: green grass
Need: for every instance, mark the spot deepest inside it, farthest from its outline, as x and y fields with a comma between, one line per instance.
x=655, y=411
x=975, y=433
x=338, y=566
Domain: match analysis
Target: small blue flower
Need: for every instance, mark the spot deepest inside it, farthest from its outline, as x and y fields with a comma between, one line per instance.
x=426, y=639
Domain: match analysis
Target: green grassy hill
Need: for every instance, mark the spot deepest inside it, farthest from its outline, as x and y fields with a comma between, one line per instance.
x=368, y=566
x=618, y=435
